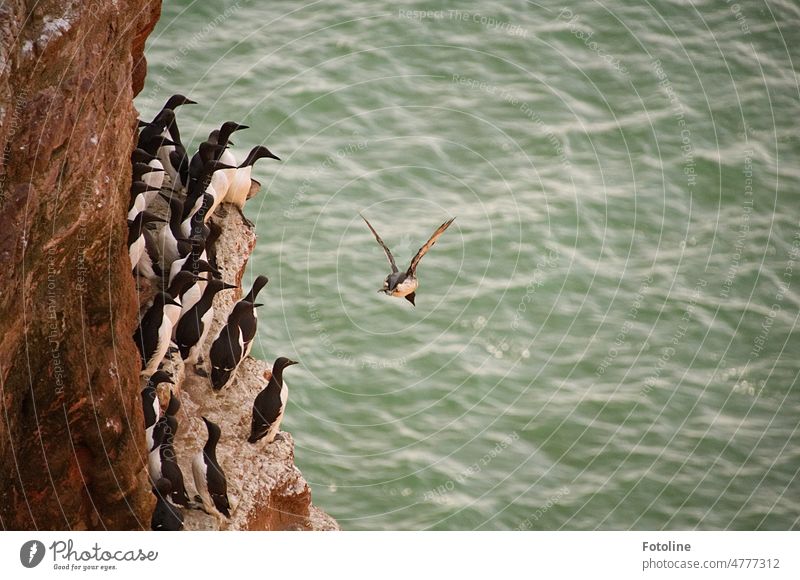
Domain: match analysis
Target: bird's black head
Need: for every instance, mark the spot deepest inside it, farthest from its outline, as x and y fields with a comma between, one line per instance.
x=215, y=286
x=227, y=129
x=141, y=156
x=158, y=377
x=282, y=362
x=142, y=219
x=163, y=487
x=391, y=282
x=177, y=100
x=182, y=281
x=184, y=247
x=209, y=149
x=138, y=187
x=198, y=244
x=204, y=266
x=140, y=168
x=219, y=377
x=256, y=153
x=214, y=165
x=165, y=299
x=151, y=143
x=258, y=284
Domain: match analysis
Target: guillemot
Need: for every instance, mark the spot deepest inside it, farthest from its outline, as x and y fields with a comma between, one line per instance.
x=152, y=336
x=173, y=157
x=240, y=185
x=170, y=233
x=150, y=405
x=193, y=326
x=404, y=284
x=166, y=517
x=235, y=338
x=141, y=196
x=136, y=237
x=209, y=479
x=270, y=404
x=168, y=463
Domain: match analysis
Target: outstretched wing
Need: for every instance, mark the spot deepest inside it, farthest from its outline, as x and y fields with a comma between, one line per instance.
x=428, y=245
x=380, y=241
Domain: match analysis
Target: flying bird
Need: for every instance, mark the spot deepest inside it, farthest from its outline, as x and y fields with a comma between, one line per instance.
x=404, y=284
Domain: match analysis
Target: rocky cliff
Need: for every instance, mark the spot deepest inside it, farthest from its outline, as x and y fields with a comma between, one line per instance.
x=72, y=446
x=266, y=489
x=68, y=370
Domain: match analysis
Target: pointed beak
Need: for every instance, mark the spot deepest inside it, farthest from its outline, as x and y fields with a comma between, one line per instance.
x=291, y=362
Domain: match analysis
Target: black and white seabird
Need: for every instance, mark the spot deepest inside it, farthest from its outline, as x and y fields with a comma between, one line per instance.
x=140, y=198
x=192, y=259
x=404, y=284
x=221, y=180
x=196, y=263
x=173, y=157
x=241, y=183
x=209, y=479
x=136, y=238
x=139, y=155
x=206, y=152
x=235, y=338
x=166, y=517
x=152, y=337
x=193, y=326
x=150, y=175
x=194, y=222
x=270, y=404
x=158, y=127
x=222, y=137
x=182, y=284
x=150, y=405
x=196, y=202
x=170, y=233
x=167, y=460
x=149, y=265
x=176, y=101
x=151, y=145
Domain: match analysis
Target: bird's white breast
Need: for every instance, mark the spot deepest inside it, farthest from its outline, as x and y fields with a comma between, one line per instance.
x=406, y=287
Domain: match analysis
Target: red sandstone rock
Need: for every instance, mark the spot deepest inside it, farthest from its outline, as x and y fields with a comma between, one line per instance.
x=72, y=447
x=70, y=456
